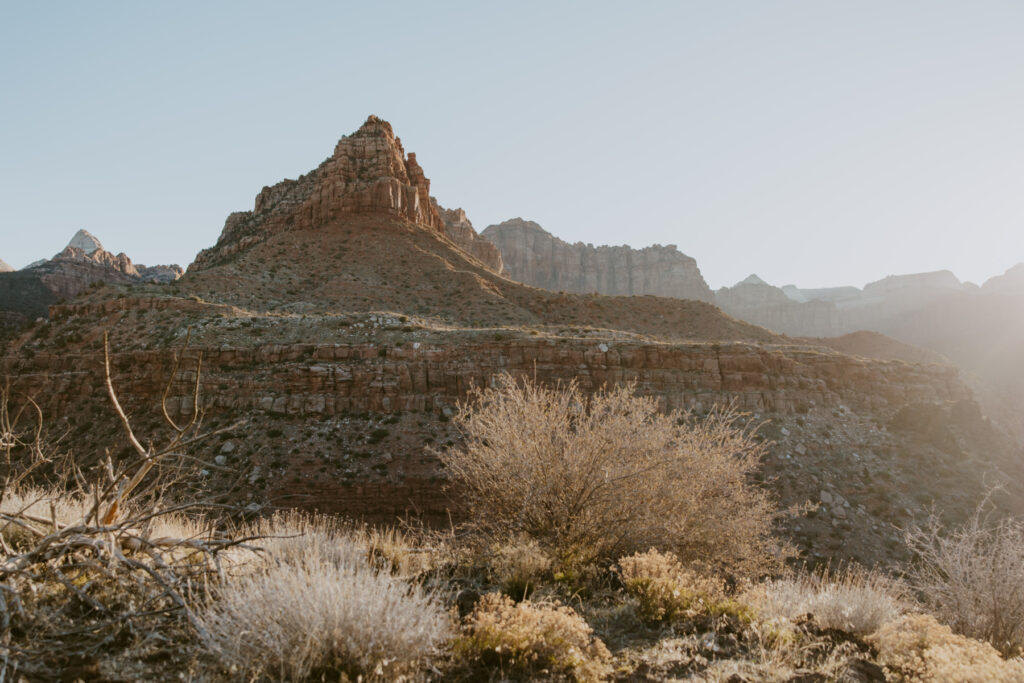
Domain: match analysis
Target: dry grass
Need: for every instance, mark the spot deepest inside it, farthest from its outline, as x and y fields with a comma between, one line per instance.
x=972, y=577
x=916, y=647
x=316, y=606
x=597, y=477
x=518, y=566
x=531, y=640
x=854, y=600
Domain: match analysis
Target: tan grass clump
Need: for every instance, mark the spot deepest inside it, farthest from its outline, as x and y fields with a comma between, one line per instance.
x=518, y=566
x=316, y=606
x=916, y=647
x=595, y=477
x=533, y=640
x=972, y=577
x=665, y=590
x=853, y=600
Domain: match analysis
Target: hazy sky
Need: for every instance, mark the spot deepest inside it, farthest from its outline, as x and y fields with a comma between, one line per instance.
x=816, y=143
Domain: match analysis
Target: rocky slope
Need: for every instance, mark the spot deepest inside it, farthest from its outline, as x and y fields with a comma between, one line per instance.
x=345, y=331
x=5, y=267
x=536, y=257
x=460, y=231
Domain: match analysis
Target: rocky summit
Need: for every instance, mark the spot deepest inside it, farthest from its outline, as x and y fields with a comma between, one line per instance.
x=346, y=316
x=369, y=173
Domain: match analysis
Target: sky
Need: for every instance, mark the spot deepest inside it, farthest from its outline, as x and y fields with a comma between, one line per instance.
x=814, y=143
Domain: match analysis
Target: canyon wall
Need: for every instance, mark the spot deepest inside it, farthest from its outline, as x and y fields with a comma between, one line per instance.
x=536, y=257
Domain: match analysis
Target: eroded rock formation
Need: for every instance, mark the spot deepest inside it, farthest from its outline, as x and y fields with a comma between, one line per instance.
x=369, y=173
x=536, y=257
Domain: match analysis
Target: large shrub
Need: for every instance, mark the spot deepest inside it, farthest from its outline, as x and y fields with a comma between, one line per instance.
x=596, y=477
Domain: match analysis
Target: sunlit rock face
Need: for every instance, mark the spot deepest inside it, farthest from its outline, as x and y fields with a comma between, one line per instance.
x=536, y=257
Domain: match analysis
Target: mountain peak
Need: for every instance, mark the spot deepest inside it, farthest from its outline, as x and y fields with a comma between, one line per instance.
x=752, y=279
x=85, y=241
x=369, y=173
x=5, y=267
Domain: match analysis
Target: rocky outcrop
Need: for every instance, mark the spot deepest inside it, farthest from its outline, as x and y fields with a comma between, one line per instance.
x=369, y=173
x=5, y=267
x=460, y=231
x=536, y=257
x=162, y=274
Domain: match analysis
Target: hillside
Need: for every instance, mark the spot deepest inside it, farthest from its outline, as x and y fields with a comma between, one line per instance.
x=340, y=321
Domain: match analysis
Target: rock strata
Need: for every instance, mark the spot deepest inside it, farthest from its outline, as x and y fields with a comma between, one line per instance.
x=369, y=173
x=536, y=257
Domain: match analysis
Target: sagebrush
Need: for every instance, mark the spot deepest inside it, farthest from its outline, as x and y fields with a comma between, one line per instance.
x=595, y=477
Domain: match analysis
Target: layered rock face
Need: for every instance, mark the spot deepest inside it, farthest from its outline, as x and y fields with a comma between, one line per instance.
x=536, y=257
x=369, y=173
x=460, y=231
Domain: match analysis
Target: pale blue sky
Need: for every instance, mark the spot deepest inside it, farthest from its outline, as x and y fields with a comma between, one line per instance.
x=818, y=143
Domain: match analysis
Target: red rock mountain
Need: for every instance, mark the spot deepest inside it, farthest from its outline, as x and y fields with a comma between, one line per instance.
x=369, y=173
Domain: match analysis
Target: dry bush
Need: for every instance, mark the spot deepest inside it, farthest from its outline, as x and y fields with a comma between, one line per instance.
x=853, y=600
x=317, y=606
x=102, y=554
x=916, y=647
x=972, y=577
x=601, y=476
x=531, y=640
x=666, y=590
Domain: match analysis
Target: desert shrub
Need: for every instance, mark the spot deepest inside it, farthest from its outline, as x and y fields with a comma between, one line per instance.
x=854, y=600
x=600, y=476
x=916, y=647
x=666, y=590
x=531, y=640
x=972, y=577
x=315, y=605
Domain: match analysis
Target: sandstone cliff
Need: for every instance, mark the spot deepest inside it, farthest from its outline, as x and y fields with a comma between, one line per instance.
x=460, y=231
x=536, y=257
x=369, y=173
